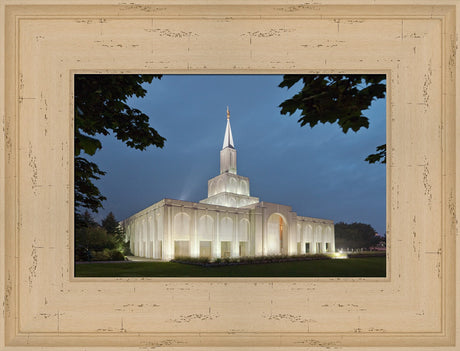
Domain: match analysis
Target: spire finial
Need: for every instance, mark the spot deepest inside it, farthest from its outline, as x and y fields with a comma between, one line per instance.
x=228, y=139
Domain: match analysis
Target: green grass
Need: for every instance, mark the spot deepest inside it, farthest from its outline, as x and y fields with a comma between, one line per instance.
x=353, y=267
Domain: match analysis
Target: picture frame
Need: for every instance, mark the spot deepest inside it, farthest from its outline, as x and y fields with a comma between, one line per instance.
x=413, y=42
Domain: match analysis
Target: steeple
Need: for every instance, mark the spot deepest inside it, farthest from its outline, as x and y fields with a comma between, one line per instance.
x=228, y=139
x=228, y=188
x=228, y=152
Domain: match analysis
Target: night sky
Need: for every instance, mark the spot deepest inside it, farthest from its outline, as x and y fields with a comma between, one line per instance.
x=318, y=171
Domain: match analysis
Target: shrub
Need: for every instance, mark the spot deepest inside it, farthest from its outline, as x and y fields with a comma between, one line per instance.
x=99, y=243
x=107, y=255
x=100, y=256
x=126, y=250
x=116, y=255
x=249, y=260
x=82, y=254
x=191, y=260
x=96, y=239
x=366, y=254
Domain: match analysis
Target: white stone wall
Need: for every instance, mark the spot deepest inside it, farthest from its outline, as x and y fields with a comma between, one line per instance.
x=174, y=226
x=193, y=223
x=230, y=200
x=228, y=182
x=144, y=230
x=315, y=232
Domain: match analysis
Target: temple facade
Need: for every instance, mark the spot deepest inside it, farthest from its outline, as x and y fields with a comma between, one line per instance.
x=228, y=223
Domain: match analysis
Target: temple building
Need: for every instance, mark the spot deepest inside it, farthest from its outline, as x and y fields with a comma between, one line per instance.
x=228, y=223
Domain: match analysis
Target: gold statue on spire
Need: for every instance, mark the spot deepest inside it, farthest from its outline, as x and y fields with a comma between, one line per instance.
x=228, y=113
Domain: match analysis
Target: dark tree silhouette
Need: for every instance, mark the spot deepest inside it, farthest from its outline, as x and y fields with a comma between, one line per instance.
x=355, y=235
x=101, y=109
x=339, y=98
x=110, y=224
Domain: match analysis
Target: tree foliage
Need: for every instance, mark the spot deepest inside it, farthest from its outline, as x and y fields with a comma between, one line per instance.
x=380, y=156
x=355, y=235
x=110, y=224
x=100, y=109
x=86, y=193
x=337, y=99
x=93, y=238
x=113, y=228
x=84, y=220
x=104, y=242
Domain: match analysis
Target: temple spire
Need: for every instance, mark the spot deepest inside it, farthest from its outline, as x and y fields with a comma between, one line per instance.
x=228, y=138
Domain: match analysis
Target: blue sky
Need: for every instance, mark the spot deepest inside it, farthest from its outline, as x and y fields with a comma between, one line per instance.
x=318, y=171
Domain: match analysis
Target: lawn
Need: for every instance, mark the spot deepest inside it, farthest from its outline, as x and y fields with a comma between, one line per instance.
x=352, y=267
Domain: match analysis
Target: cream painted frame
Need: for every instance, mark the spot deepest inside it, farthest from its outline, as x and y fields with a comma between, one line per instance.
x=414, y=42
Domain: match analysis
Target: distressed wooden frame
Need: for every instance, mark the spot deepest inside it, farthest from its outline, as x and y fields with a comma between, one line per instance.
x=46, y=42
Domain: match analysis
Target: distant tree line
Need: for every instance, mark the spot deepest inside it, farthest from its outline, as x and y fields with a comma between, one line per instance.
x=105, y=242
x=355, y=236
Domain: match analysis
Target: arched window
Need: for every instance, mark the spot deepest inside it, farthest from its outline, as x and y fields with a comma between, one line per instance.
x=243, y=232
x=205, y=228
x=226, y=229
x=244, y=187
x=181, y=226
x=232, y=202
x=308, y=233
x=233, y=185
x=277, y=235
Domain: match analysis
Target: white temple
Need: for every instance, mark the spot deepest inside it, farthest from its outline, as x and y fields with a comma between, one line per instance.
x=228, y=223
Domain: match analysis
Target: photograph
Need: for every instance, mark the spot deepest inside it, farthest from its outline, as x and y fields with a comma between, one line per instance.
x=230, y=175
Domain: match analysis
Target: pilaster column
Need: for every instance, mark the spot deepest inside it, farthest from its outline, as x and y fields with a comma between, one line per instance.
x=161, y=231
x=258, y=237
x=135, y=238
x=235, y=240
x=144, y=236
x=194, y=249
x=149, y=245
x=167, y=236
x=141, y=237
x=313, y=239
x=171, y=233
x=292, y=238
x=215, y=246
x=332, y=238
x=154, y=228
x=302, y=239
x=264, y=232
x=131, y=237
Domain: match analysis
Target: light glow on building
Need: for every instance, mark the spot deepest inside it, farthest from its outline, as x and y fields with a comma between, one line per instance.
x=228, y=223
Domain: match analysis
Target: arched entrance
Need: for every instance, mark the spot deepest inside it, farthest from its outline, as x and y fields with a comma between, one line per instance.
x=277, y=235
